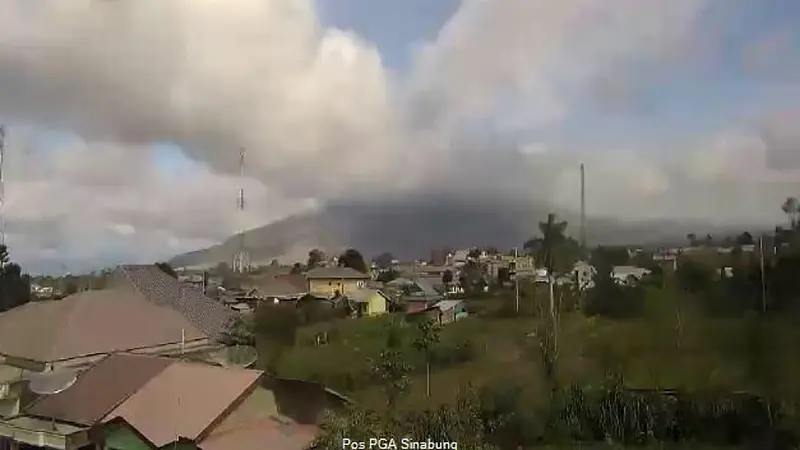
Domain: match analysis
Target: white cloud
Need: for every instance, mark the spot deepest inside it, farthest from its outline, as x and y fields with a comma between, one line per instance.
x=321, y=118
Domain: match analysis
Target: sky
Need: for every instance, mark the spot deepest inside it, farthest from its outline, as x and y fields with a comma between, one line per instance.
x=125, y=118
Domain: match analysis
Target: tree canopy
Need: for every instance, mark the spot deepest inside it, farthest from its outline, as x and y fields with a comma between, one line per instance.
x=384, y=260
x=553, y=249
x=353, y=259
x=315, y=256
x=15, y=286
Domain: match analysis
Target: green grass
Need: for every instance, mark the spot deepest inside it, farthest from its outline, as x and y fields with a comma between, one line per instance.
x=672, y=347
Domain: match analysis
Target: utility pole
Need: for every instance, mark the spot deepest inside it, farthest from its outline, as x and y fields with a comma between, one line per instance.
x=516, y=283
x=583, y=209
x=763, y=277
x=2, y=185
x=553, y=313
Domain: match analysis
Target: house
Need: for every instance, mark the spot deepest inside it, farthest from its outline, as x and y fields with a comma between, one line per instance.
x=371, y=302
x=83, y=328
x=280, y=289
x=427, y=287
x=416, y=304
x=583, y=273
x=443, y=312
x=432, y=271
x=209, y=316
x=144, y=311
x=329, y=281
x=458, y=258
x=130, y=402
x=628, y=274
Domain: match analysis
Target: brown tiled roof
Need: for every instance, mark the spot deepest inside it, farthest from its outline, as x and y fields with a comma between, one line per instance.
x=206, y=314
x=256, y=424
x=184, y=400
x=100, y=389
x=283, y=286
x=272, y=434
x=336, y=273
x=90, y=323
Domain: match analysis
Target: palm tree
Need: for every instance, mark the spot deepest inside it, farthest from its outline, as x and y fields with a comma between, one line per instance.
x=791, y=207
x=692, y=239
x=545, y=247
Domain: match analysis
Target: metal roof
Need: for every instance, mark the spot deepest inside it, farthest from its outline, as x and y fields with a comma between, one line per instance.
x=336, y=273
x=445, y=305
x=100, y=389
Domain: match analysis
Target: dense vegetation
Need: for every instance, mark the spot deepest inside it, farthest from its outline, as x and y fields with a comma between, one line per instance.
x=15, y=286
x=702, y=355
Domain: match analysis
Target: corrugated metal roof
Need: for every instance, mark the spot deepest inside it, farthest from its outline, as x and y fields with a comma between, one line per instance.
x=428, y=286
x=336, y=273
x=206, y=314
x=90, y=323
x=445, y=305
x=100, y=389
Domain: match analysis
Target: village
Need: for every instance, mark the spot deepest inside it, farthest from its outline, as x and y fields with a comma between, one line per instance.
x=123, y=366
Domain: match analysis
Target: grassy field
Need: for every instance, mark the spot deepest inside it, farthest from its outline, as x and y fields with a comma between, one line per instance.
x=672, y=346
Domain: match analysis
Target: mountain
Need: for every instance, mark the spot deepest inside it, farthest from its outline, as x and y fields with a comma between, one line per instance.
x=410, y=227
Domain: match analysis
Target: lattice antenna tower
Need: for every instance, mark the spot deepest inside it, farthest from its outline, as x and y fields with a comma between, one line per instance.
x=241, y=260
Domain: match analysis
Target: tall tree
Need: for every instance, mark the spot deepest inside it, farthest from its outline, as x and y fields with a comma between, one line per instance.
x=791, y=207
x=547, y=245
x=391, y=370
x=15, y=287
x=692, y=238
x=275, y=330
x=353, y=259
x=167, y=269
x=384, y=260
x=315, y=257
x=745, y=239
x=447, y=277
x=426, y=340
x=615, y=256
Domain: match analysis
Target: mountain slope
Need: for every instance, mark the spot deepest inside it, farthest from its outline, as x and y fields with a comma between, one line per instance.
x=410, y=227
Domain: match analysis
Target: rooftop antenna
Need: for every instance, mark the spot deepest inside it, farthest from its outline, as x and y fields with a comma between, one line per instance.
x=52, y=383
x=241, y=260
x=583, y=208
x=237, y=356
